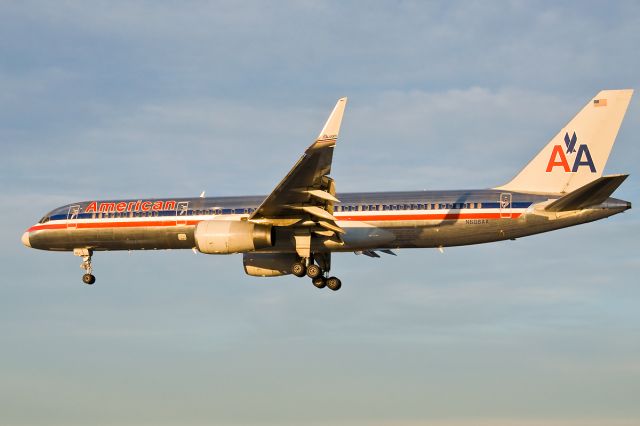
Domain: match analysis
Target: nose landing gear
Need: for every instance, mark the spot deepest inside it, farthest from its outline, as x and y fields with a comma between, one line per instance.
x=88, y=277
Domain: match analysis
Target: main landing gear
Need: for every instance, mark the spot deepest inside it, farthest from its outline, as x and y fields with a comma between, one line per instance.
x=88, y=277
x=317, y=275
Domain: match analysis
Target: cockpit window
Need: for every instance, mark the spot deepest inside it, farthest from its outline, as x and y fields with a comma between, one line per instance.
x=45, y=219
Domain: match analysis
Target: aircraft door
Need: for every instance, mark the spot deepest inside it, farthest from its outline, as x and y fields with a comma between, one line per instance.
x=505, y=205
x=181, y=213
x=72, y=217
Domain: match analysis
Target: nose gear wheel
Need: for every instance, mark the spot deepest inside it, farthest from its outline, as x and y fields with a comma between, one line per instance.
x=88, y=277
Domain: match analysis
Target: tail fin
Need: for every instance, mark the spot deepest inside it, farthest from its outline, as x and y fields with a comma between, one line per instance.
x=578, y=153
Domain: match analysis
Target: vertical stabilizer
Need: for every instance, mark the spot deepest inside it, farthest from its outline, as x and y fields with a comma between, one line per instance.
x=578, y=154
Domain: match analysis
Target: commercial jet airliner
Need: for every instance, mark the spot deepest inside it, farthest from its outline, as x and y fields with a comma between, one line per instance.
x=296, y=228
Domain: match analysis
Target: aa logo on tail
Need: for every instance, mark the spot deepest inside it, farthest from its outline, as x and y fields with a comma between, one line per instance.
x=558, y=156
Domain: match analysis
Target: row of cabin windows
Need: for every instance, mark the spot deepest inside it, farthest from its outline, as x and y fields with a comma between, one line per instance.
x=196, y=212
x=395, y=207
x=338, y=208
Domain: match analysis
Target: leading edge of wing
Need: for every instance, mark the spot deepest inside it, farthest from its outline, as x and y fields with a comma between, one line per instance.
x=297, y=188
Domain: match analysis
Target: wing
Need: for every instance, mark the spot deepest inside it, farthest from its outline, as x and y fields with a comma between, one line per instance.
x=306, y=195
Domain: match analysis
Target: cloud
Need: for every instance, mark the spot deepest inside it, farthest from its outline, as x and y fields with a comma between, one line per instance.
x=123, y=99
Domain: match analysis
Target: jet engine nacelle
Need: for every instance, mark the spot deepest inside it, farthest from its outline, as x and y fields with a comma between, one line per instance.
x=268, y=264
x=232, y=236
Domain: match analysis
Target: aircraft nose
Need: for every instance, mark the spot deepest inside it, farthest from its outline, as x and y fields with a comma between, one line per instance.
x=25, y=239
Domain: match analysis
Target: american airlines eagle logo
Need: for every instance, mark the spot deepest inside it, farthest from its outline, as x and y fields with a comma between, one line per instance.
x=560, y=155
x=570, y=143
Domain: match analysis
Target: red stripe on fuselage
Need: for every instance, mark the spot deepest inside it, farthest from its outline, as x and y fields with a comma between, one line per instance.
x=94, y=225
x=354, y=218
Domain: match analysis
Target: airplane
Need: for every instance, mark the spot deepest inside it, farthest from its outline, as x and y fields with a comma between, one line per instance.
x=296, y=228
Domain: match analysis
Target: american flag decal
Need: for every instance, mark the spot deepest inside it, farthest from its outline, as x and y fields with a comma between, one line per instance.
x=599, y=102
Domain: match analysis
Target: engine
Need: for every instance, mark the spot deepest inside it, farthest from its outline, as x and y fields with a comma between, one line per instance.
x=268, y=264
x=230, y=236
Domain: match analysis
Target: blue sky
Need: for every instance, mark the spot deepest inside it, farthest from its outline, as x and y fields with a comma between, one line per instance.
x=130, y=99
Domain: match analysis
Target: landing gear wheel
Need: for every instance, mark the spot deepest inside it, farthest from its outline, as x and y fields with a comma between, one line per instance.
x=88, y=279
x=333, y=283
x=298, y=269
x=314, y=271
x=319, y=282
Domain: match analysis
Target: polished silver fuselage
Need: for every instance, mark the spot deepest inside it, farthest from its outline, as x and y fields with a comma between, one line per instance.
x=371, y=221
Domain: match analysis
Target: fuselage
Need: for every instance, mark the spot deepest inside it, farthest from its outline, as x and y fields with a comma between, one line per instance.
x=381, y=220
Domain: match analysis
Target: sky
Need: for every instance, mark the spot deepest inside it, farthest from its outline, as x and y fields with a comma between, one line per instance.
x=110, y=99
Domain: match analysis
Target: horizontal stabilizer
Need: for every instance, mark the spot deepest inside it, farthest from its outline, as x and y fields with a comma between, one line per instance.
x=588, y=195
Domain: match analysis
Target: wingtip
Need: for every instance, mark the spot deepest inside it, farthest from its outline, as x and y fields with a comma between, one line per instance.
x=332, y=126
